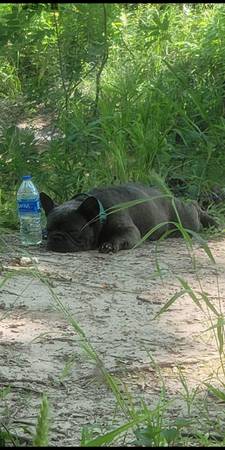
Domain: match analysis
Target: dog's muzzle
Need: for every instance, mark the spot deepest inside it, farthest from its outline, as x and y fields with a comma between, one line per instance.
x=60, y=242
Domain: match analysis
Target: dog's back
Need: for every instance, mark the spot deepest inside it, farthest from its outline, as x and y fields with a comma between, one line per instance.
x=156, y=208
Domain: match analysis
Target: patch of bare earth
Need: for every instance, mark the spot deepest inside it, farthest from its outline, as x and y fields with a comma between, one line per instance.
x=43, y=126
x=114, y=298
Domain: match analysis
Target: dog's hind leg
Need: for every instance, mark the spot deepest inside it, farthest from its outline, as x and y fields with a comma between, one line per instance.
x=205, y=219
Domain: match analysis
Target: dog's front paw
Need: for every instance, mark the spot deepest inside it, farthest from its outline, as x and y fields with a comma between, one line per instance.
x=109, y=247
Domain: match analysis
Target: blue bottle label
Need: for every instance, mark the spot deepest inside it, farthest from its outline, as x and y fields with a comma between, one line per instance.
x=29, y=206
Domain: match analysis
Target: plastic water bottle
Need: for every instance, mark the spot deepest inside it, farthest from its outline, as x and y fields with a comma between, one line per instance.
x=29, y=211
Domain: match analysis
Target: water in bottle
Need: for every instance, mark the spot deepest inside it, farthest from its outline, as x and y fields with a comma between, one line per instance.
x=29, y=211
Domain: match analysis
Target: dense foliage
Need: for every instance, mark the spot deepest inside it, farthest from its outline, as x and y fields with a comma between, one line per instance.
x=134, y=89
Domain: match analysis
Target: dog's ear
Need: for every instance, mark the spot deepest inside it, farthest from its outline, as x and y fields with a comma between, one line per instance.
x=89, y=209
x=46, y=203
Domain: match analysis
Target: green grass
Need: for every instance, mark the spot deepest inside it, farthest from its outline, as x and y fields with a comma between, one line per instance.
x=161, y=101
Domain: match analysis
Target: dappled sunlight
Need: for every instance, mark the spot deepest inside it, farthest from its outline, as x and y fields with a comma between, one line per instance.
x=27, y=330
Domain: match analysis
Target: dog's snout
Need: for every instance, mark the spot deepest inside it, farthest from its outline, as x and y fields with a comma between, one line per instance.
x=58, y=242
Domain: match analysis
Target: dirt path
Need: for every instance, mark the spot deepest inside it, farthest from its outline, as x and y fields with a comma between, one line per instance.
x=114, y=299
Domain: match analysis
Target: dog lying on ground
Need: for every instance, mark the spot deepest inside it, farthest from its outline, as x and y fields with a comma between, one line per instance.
x=88, y=222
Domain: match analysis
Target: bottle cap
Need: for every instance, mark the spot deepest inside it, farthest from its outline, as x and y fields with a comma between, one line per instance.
x=27, y=177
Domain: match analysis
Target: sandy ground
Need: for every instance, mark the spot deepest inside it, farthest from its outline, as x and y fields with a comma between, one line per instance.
x=114, y=298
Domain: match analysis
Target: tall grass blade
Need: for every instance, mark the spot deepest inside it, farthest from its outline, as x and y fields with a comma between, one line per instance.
x=112, y=435
x=190, y=291
x=41, y=435
x=169, y=303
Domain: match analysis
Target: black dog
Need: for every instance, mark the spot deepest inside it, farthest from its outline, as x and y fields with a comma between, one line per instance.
x=88, y=221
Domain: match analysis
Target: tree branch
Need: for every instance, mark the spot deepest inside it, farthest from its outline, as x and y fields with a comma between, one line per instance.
x=61, y=62
x=73, y=88
x=103, y=62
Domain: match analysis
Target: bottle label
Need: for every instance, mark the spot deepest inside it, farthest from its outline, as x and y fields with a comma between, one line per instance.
x=29, y=206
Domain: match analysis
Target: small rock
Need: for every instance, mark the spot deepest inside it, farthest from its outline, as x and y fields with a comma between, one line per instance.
x=27, y=261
